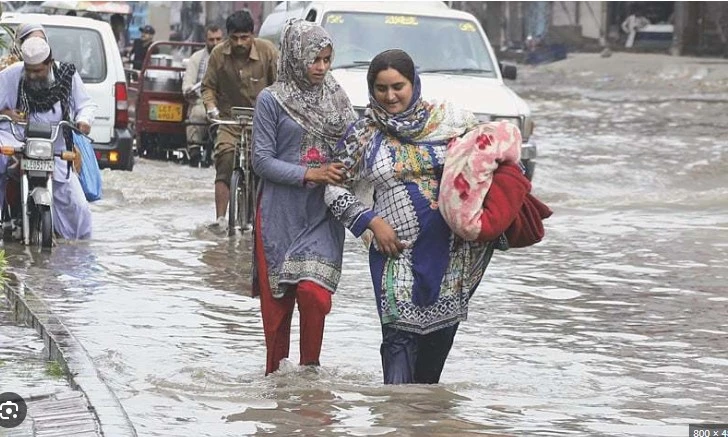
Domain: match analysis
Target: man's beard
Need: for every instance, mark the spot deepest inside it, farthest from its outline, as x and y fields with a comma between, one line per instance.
x=38, y=84
x=241, y=51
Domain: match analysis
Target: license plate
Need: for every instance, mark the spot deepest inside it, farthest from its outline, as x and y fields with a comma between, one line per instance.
x=33, y=165
x=165, y=112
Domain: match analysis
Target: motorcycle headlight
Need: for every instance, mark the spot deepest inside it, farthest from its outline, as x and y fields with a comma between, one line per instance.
x=39, y=149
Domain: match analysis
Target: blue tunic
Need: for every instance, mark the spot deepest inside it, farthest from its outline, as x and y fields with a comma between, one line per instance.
x=302, y=240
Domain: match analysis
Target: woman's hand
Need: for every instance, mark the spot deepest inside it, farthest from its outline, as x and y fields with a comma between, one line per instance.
x=386, y=238
x=332, y=173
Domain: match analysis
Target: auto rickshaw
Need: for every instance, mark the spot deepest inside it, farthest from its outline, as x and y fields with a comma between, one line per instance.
x=157, y=106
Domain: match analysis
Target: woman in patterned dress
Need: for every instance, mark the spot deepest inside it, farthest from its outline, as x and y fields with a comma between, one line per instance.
x=423, y=274
x=298, y=243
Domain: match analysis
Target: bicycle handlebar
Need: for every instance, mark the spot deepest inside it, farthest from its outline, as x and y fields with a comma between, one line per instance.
x=215, y=122
x=219, y=122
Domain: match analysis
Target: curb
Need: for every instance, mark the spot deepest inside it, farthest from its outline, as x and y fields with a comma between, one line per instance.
x=62, y=347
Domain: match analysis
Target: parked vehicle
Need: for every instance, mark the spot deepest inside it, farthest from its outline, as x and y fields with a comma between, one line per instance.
x=36, y=164
x=454, y=57
x=91, y=47
x=157, y=106
x=243, y=186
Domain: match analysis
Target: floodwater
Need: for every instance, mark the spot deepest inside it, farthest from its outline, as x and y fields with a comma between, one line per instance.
x=615, y=325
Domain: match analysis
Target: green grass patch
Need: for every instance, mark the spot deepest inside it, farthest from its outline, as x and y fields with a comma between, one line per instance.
x=3, y=268
x=55, y=370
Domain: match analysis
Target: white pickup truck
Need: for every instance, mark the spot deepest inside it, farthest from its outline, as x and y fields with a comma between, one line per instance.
x=452, y=53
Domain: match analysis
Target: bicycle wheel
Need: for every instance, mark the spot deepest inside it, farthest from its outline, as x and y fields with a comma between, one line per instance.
x=252, y=188
x=238, y=208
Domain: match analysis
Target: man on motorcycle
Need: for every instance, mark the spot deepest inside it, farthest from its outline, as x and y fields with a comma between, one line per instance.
x=196, y=68
x=43, y=90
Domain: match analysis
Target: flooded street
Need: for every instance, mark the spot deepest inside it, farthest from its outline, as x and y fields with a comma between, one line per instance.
x=614, y=325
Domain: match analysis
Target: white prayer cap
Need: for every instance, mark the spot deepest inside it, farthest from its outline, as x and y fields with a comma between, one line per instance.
x=35, y=50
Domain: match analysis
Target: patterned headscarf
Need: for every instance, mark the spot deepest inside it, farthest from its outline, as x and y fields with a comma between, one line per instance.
x=422, y=123
x=323, y=110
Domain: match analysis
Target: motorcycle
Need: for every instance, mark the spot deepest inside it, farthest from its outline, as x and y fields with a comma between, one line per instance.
x=36, y=162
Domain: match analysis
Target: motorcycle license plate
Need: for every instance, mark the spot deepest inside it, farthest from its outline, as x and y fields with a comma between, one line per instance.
x=165, y=112
x=33, y=165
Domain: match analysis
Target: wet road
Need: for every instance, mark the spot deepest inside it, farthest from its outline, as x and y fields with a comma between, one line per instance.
x=614, y=325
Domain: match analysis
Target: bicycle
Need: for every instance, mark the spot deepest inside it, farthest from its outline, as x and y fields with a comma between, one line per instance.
x=243, y=186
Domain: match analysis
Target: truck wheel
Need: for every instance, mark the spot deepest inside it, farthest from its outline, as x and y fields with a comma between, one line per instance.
x=130, y=163
x=530, y=167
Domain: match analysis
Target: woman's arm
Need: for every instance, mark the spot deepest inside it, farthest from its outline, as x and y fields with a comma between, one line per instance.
x=340, y=199
x=352, y=212
x=347, y=207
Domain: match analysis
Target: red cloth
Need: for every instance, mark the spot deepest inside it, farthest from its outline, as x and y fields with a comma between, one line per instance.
x=314, y=303
x=510, y=208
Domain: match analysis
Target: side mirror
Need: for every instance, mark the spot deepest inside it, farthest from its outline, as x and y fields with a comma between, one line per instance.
x=508, y=71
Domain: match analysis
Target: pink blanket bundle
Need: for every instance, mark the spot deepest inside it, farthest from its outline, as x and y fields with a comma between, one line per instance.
x=467, y=176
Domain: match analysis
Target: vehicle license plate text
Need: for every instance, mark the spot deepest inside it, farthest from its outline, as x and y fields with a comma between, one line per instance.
x=165, y=112
x=34, y=165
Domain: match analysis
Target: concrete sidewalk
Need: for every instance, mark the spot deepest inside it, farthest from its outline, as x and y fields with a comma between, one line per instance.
x=54, y=407
x=87, y=407
x=66, y=414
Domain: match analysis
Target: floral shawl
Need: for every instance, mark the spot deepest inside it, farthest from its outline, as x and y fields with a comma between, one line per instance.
x=422, y=123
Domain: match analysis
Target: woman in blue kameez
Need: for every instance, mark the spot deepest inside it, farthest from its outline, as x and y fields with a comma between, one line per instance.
x=298, y=243
x=423, y=275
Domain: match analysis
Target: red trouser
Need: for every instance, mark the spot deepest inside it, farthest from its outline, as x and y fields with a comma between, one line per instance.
x=314, y=302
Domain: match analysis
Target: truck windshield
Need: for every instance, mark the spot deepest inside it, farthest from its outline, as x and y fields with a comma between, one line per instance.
x=436, y=44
